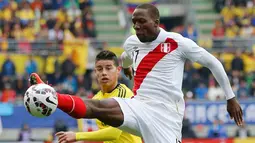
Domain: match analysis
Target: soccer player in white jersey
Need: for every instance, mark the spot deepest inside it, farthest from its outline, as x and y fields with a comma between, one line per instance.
x=157, y=58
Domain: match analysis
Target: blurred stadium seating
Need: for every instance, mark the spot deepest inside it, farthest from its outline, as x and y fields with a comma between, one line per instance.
x=60, y=38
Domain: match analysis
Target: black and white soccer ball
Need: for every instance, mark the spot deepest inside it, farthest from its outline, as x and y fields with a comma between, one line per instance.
x=40, y=100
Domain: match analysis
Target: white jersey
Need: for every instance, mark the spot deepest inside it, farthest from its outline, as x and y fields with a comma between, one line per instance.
x=158, y=67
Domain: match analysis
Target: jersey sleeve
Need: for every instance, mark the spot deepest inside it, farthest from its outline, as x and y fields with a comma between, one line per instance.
x=191, y=51
x=126, y=57
x=126, y=60
x=106, y=134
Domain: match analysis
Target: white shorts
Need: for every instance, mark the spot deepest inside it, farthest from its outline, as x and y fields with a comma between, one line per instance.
x=154, y=122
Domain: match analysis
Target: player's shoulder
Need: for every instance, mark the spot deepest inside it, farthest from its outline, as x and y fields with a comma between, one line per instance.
x=124, y=91
x=98, y=95
x=182, y=42
x=175, y=36
x=132, y=39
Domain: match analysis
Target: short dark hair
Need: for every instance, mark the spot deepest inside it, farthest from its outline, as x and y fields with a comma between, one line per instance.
x=153, y=10
x=107, y=55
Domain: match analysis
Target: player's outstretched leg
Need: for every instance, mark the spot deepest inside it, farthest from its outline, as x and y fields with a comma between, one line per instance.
x=107, y=110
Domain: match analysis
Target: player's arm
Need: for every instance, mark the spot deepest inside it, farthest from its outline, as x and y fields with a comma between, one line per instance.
x=106, y=134
x=126, y=63
x=197, y=54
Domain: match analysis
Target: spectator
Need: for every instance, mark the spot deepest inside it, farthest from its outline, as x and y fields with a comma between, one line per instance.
x=37, y=5
x=242, y=91
x=217, y=130
x=31, y=65
x=70, y=85
x=25, y=14
x=201, y=91
x=218, y=30
x=85, y=4
x=59, y=125
x=9, y=94
x=252, y=91
x=56, y=34
x=57, y=4
x=242, y=132
x=190, y=32
x=51, y=22
x=187, y=131
x=188, y=76
x=47, y=4
x=219, y=5
x=232, y=30
x=237, y=63
x=25, y=134
x=215, y=92
x=20, y=88
x=3, y=3
x=68, y=67
x=247, y=29
x=8, y=67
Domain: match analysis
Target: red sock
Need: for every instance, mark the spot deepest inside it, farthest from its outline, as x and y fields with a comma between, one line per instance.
x=72, y=105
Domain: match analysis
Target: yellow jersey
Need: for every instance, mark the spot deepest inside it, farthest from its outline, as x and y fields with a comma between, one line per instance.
x=121, y=91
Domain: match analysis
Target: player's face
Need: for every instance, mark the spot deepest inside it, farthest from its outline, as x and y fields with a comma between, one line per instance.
x=144, y=25
x=106, y=72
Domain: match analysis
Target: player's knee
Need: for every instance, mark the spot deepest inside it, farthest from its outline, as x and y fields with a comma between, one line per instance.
x=95, y=108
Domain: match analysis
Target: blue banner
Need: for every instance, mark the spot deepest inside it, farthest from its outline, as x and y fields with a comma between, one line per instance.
x=6, y=109
x=21, y=116
x=203, y=112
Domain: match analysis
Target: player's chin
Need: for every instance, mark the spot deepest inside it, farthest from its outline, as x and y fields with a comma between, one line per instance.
x=142, y=38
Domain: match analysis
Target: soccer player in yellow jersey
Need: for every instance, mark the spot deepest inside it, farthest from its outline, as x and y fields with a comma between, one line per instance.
x=107, y=71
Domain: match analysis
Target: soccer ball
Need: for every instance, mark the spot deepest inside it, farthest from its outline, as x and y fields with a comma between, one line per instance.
x=40, y=100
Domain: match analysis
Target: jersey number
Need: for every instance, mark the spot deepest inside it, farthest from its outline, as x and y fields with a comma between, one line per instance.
x=135, y=55
x=136, y=52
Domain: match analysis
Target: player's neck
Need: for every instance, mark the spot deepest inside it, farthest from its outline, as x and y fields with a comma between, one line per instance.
x=155, y=35
x=109, y=89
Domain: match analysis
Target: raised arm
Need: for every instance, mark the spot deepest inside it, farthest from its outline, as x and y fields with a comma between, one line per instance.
x=197, y=54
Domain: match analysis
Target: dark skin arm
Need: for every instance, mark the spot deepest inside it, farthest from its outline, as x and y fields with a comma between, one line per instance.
x=233, y=107
x=128, y=72
x=235, y=111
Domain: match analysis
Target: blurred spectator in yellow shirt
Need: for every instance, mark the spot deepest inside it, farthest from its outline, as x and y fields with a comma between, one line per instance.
x=232, y=30
x=28, y=32
x=246, y=30
x=62, y=16
x=25, y=14
x=16, y=32
x=7, y=13
x=13, y=5
x=68, y=35
x=227, y=13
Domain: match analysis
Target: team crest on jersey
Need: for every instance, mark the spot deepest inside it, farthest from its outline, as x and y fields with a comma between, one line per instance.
x=165, y=47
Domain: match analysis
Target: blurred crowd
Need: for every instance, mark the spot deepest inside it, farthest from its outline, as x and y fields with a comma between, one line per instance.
x=237, y=19
x=198, y=83
x=30, y=20
x=61, y=75
x=201, y=84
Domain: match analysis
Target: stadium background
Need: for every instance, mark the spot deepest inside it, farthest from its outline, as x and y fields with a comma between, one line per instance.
x=60, y=38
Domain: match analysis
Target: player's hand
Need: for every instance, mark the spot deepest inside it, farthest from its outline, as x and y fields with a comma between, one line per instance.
x=128, y=72
x=66, y=137
x=235, y=111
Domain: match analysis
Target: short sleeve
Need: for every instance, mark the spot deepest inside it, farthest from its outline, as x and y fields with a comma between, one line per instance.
x=128, y=47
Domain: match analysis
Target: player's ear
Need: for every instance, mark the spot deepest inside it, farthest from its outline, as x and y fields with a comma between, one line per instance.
x=156, y=22
x=119, y=69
